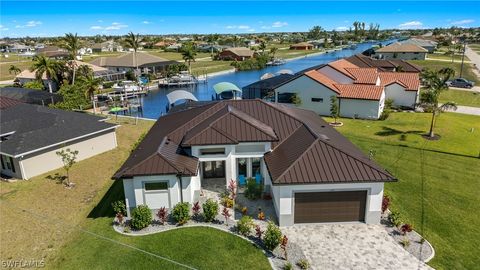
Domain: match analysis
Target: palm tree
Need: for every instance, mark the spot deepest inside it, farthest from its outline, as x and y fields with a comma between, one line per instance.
x=71, y=42
x=91, y=86
x=188, y=54
x=273, y=51
x=133, y=41
x=262, y=46
x=14, y=69
x=434, y=84
x=43, y=65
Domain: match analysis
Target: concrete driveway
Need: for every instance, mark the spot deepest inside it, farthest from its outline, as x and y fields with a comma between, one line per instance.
x=351, y=246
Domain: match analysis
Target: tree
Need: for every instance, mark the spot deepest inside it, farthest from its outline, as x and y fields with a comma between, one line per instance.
x=71, y=42
x=334, y=108
x=133, y=41
x=273, y=51
x=43, y=65
x=315, y=33
x=434, y=84
x=69, y=158
x=262, y=46
x=91, y=84
x=36, y=84
x=189, y=52
x=14, y=69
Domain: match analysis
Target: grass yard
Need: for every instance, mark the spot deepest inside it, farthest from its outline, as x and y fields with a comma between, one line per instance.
x=451, y=175
x=475, y=47
x=465, y=98
x=467, y=69
x=442, y=56
x=4, y=66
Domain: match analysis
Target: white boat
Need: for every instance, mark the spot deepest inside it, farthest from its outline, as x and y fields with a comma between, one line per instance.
x=276, y=62
x=126, y=87
x=182, y=78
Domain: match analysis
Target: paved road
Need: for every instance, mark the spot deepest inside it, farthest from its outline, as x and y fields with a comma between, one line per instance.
x=351, y=246
x=473, y=89
x=473, y=56
x=467, y=110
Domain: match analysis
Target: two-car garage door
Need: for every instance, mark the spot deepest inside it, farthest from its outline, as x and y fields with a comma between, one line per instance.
x=313, y=207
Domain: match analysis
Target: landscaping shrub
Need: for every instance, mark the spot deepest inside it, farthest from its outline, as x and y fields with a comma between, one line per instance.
x=288, y=266
x=119, y=207
x=181, y=212
x=162, y=215
x=108, y=85
x=283, y=246
x=253, y=190
x=258, y=231
x=210, y=210
x=388, y=103
x=141, y=217
x=385, y=203
x=405, y=242
x=385, y=114
x=226, y=214
x=273, y=236
x=196, y=209
x=394, y=218
x=245, y=225
x=34, y=85
x=303, y=264
x=406, y=228
x=227, y=202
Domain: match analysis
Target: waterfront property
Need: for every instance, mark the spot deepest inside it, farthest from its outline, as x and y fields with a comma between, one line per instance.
x=237, y=54
x=145, y=62
x=428, y=45
x=313, y=173
x=32, y=134
x=405, y=51
x=31, y=96
x=304, y=46
x=396, y=65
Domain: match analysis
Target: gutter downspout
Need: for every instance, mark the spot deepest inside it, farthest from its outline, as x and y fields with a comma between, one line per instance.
x=179, y=176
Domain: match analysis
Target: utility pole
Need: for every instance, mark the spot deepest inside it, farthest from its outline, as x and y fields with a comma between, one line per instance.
x=463, y=56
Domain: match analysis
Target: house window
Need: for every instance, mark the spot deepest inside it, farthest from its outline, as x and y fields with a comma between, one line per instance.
x=7, y=163
x=317, y=99
x=213, y=151
x=153, y=186
x=285, y=97
x=242, y=166
x=256, y=167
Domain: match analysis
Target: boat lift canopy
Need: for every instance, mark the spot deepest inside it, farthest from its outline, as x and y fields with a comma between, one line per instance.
x=225, y=87
x=180, y=95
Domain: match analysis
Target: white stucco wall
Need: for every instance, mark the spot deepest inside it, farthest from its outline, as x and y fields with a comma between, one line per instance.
x=284, y=199
x=335, y=75
x=400, y=96
x=41, y=162
x=307, y=89
x=359, y=108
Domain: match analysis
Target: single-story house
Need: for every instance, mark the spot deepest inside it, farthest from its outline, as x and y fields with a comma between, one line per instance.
x=31, y=96
x=146, y=62
x=236, y=53
x=31, y=135
x=429, y=45
x=361, y=91
x=264, y=88
x=401, y=51
x=395, y=65
x=53, y=52
x=301, y=46
x=107, y=46
x=311, y=171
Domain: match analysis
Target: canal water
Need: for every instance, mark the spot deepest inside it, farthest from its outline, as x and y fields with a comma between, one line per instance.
x=155, y=103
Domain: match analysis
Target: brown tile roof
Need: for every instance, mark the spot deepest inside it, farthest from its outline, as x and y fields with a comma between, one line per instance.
x=364, y=75
x=241, y=51
x=397, y=47
x=360, y=91
x=6, y=102
x=410, y=81
x=361, y=60
x=319, y=77
x=341, y=66
x=127, y=60
x=304, y=141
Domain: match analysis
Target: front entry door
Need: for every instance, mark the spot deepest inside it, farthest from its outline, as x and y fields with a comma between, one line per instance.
x=213, y=169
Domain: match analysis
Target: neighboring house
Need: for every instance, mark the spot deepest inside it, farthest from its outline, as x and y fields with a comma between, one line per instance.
x=305, y=46
x=236, y=53
x=53, y=52
x=107, y=46
x=31, y=96
x=145, y=62
x=428, y=45
x=31, y=135
x=264, y=88
x=396, y=65
x=361, y=91
x=312, y=172
x=401, y=51
x=19, y=48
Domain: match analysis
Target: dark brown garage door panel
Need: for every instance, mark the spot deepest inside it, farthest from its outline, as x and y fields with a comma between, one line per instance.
x=311, y=207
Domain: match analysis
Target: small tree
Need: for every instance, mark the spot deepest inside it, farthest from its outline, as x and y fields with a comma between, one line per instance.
x=162, y=215
x=69, y=158
x=196, y=209
x=226, y=214
x=283, y=246
x=334, y=108
x=258, y=231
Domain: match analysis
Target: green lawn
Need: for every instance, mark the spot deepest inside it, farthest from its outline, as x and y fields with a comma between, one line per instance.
x=467, y=70
x=442, y=56
x=451, y=175
x=5, y=75
x=465, y=98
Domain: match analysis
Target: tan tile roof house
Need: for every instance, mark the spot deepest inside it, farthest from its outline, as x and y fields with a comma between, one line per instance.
x=129, y=61
x=236, y=53
x=403, y=51
x=289, y=151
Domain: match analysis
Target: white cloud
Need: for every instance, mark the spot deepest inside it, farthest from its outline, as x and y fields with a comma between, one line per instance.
x=243, y=27
x=3, y=28
x=279, y=24
x=265, y=27
x=230, y=27
x=341, y=28
x=29, y=24
x=462, y=22
x=411, y=25
x=96, y=27
x=251, y=30
x=146, y=22
x=239, y=27
x=113, y=26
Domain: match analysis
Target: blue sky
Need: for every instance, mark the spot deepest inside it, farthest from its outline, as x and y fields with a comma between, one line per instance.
x=54, y=18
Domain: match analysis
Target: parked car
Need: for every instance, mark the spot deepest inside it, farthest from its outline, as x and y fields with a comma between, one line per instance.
x=460, y=82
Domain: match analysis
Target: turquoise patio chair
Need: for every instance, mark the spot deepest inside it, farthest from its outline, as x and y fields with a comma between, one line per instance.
x=258, y=178
x=241, y=180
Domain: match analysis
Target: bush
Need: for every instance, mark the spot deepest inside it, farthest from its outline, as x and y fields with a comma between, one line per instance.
x=108, y=85
x=273, y=236
x=245, y=225
x=405, y=242
x=73, y=98
x=253, y=190
x=227, y=202
x=141, y=217
x=385, y=114
x=288, y=266
x=162, y=215
x=385, y=203
x=181, y=212
x=406, y=228
x=119, y=207
x=210, y=210
x=388, y=103
x=303, y=264
x=34, y=85
x=395, y=218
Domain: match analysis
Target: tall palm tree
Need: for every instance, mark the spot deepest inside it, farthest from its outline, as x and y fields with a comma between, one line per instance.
x=14, y=69
x=434, y=84
x=133, y=41
x=43, y=65
x=91, y=86
x=262, y=46
x=188, y=54
x=71, y=42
